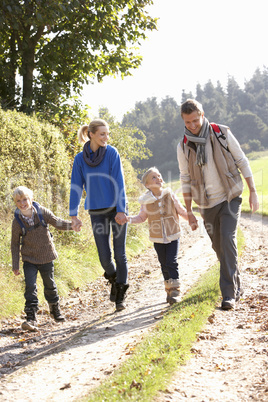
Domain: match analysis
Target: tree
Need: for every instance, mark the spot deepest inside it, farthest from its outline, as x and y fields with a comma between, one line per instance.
x=57, y=46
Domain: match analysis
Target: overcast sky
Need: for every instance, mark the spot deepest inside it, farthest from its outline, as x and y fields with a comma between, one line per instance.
x=196, y=41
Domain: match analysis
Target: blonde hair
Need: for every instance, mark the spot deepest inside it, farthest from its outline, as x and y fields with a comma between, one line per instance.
x=22, y=191
x=84, y=131
x=146, y=174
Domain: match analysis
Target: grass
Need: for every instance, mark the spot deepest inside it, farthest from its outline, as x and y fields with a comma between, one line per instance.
x=168, y=346
x=77, y=264
x=259, y=168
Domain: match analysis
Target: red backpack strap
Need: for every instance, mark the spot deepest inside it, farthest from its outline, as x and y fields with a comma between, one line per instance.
x=216, y=128
x=220, y=136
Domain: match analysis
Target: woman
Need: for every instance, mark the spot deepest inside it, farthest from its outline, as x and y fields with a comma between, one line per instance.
x=98, y=170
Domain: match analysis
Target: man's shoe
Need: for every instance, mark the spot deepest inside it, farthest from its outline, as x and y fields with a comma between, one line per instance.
x=239, y=293
x=54, y=310
x=228, y=303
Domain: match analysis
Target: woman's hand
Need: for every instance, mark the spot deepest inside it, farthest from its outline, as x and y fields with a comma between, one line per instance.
x=120, y=218
x=76, y=224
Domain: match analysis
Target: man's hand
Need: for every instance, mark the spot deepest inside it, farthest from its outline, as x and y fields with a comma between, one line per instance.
x=193, y=222
x=253, y=201
x=76, y=224
x=16, y=272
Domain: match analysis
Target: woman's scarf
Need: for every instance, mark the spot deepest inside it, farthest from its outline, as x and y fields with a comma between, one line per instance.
x=200, y=141
x=96, y=157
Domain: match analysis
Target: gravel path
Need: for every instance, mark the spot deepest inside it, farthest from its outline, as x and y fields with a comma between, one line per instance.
x=65, y=361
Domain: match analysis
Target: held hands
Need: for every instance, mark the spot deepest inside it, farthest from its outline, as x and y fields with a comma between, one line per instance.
x=76, y=224
x=121, y=218
x=193, y=222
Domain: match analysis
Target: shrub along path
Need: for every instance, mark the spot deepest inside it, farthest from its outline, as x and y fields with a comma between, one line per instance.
x=65, y=361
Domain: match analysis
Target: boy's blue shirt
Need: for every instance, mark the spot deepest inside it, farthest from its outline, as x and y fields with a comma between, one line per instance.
x=104, y=183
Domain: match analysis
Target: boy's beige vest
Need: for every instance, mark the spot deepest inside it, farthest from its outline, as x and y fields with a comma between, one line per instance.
x=227, y=169
x=162, y=218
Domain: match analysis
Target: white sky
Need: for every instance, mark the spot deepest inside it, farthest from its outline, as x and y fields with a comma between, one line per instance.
x=196, y=41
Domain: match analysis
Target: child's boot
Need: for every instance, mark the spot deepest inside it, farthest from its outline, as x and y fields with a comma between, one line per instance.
x=112, y=281
x=172, y=287
x=121, y=289
x=54, y=309
x=31, y=322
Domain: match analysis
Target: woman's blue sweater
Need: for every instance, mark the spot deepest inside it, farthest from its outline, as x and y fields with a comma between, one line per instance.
x=104, y=183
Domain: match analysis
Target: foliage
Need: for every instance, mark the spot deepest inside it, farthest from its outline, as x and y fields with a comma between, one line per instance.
x=129, y=140
x=245, y=111
x=78, y=262
x=32, y=154
x=58, y=46
x=160, y=125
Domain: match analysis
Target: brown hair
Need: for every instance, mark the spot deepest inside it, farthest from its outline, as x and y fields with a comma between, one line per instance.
x=84, y=131
x=190, y=106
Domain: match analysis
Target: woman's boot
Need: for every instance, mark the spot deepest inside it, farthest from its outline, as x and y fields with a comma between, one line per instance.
x=112, y=281
x=121, y=289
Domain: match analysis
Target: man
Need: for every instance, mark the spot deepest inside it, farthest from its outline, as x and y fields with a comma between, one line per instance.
x=209, y=157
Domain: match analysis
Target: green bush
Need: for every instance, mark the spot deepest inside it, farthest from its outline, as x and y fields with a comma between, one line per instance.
x=32, y=154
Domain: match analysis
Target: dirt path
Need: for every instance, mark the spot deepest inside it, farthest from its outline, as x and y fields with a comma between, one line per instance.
x=64, y=361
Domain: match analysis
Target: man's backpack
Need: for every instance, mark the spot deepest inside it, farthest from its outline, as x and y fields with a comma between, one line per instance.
x=23, y=227
x=218, y=134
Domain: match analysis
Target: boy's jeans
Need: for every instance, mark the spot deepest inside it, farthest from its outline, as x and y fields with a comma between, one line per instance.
x=102, y=225
x=50, y=288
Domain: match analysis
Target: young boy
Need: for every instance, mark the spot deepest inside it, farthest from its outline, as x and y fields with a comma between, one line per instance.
x=32, y=239
x=162, y=208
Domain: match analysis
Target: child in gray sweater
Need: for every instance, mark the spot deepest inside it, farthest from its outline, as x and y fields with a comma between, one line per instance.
x=32, y=239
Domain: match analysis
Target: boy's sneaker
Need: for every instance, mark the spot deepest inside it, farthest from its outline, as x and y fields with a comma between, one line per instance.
x=54, y=309
x=228, y=303
x=29, y=326
x=31, y=322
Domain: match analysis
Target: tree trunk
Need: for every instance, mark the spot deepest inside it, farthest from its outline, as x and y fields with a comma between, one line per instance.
x=27, y=75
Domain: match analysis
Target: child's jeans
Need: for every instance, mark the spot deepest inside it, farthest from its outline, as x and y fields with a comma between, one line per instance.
x=167, y=256
x=50, y=288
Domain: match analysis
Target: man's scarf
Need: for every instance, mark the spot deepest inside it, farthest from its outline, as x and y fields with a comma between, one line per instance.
x=95, y=158
x=200, y=142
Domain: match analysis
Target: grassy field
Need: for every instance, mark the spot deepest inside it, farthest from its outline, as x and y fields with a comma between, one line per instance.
x=77, y=251
x=259, y=167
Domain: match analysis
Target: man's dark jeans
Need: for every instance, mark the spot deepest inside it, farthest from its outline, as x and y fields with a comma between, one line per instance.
x=50, y=288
